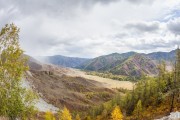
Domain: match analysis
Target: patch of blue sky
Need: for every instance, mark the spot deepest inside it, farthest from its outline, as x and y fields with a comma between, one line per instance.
x=170, y=14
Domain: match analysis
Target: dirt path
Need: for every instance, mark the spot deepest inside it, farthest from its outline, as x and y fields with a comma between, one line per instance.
x=109, y=83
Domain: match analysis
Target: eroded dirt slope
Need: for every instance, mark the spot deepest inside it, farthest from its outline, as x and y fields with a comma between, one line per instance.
x=76, y=93
x=69, y=87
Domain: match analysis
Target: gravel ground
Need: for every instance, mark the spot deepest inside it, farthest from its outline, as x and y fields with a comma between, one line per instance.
x=41, y=104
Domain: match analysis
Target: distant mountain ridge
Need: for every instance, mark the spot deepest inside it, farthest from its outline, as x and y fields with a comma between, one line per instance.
x=167, y=56
x=130, y=63
x=136, y=65
x=105, y=62
x=63, y=60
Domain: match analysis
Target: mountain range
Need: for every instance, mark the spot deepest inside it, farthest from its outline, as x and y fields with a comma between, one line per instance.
x=63, y=61
x=128, y=64
x=167, y=56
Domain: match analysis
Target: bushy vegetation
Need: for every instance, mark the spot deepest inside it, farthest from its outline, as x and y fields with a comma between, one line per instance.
x=113, y=76
x=116, y=114
x=49, y=116
x=15, y=101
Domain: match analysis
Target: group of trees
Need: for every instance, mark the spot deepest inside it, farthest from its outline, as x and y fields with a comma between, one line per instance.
x=66, y=115
x=174, y=87
x=15, y=101
x=150, y=97
x=63, y=115
x=113, y=76
x=107, y=75
x=154, y=95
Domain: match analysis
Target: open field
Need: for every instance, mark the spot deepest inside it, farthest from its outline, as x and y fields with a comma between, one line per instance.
x=109, y=83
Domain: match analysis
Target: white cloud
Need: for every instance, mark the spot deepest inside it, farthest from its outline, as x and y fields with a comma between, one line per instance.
x=173, y=26
x=91, y=28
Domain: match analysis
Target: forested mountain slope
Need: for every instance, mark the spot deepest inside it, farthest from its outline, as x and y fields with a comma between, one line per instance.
x=105, y=62
x=136, y=65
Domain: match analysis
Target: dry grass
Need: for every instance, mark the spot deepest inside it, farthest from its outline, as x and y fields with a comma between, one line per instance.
x=108, y=83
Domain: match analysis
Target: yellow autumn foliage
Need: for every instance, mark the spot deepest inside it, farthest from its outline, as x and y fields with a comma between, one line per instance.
x=65, y=115
x=78, y=117
x=117, y=114
x=49, y=116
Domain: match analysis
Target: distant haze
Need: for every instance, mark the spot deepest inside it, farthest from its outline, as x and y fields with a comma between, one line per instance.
x=90, y=28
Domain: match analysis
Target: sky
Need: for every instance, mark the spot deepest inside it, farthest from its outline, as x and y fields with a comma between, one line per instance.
x=90, y=28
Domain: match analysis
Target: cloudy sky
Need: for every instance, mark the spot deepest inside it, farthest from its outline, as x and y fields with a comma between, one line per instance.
x=89, y=28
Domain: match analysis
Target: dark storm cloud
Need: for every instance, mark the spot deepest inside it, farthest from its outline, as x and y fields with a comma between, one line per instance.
x=56, y=7
x=51, y=7
x=173, y=26
x=143, y=27
x=141, y=1
x=120, y=35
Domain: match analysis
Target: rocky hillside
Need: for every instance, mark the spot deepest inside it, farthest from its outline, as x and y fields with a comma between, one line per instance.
x=105, y=62
x=129, y=64
x=136, y=65
x=56, y=87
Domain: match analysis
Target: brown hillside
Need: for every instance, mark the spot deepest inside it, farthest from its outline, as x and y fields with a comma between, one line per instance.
x=76, y=93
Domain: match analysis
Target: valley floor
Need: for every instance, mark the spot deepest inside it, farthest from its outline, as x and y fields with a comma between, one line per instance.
x=108, y=83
